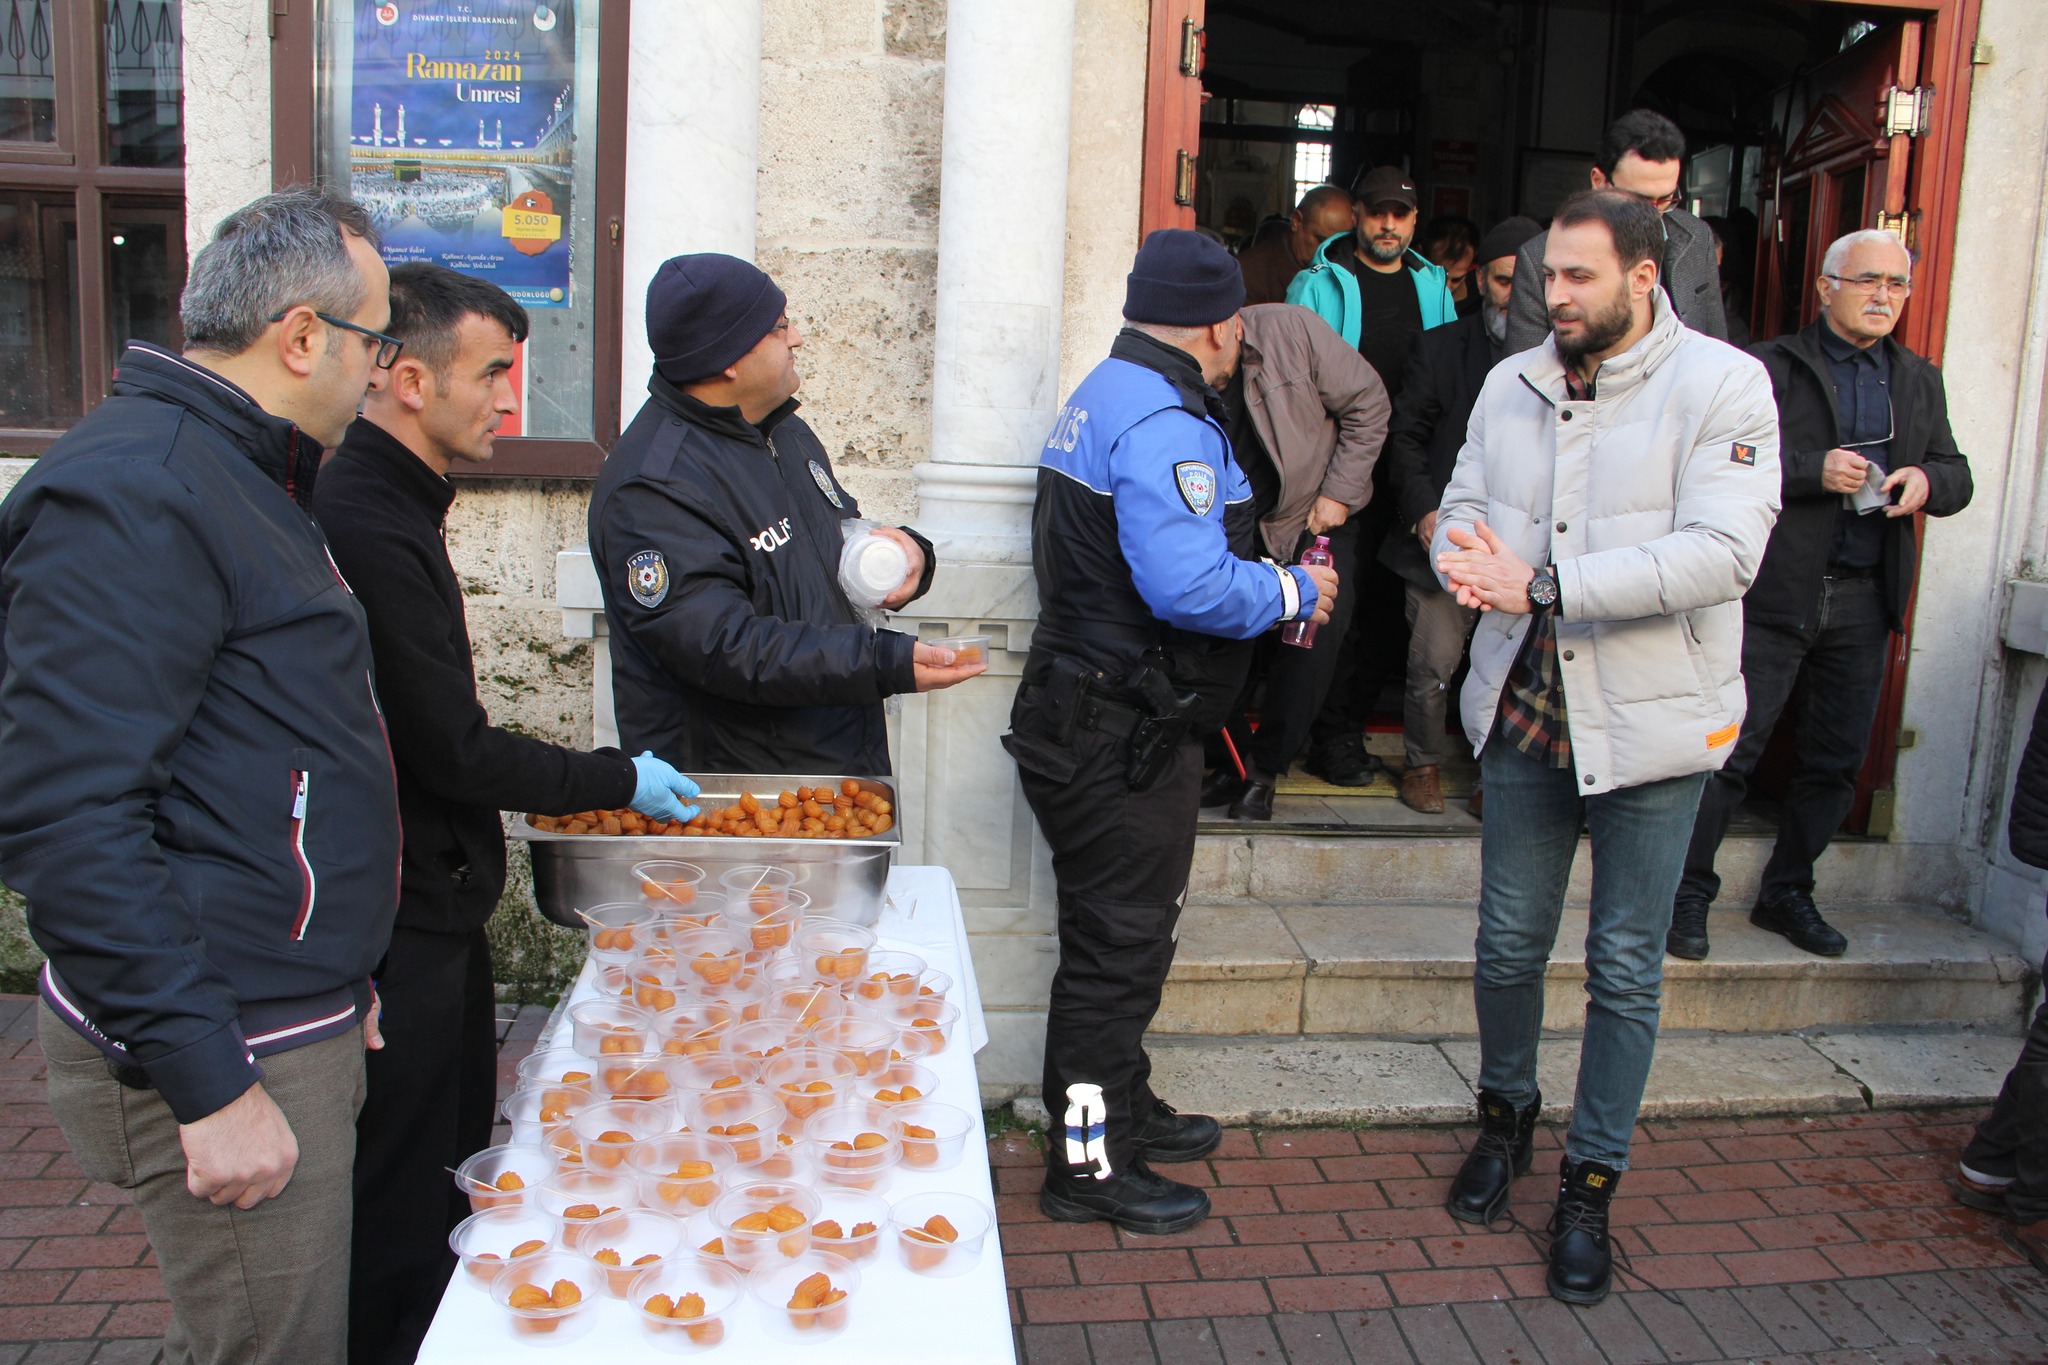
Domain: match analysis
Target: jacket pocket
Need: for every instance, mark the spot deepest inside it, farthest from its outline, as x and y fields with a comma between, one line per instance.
x=299, y=826
x=1696, y=652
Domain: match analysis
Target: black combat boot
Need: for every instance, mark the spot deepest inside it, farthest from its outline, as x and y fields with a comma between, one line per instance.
x=1479, y=1192
x=1687, y=936
x=1168, y=1135
x=1135, y=1199
x=1580, y=1261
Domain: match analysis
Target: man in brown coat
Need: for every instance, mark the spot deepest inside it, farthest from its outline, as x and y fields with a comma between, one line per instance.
x=1307, y=417
x=1271, y=265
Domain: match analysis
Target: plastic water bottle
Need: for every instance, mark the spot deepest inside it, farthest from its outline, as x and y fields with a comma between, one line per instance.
x=1303, y=633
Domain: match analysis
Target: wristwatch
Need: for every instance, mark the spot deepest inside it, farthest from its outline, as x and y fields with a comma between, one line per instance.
x=1543, y=590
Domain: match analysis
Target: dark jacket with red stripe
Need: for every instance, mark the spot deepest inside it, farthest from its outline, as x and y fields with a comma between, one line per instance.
x=196, y=793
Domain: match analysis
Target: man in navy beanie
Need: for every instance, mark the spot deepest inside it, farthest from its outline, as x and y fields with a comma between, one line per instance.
x=716, y=529
x=1149, y=593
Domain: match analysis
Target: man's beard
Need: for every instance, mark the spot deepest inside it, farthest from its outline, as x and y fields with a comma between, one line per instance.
x=1602, y=329
x=1385, y=255
x=1496, y=323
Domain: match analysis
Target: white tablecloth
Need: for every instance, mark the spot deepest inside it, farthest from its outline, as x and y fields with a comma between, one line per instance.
x=964, y=1320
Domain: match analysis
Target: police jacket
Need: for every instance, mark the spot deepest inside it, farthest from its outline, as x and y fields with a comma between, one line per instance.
x=384, y=511
x=1787, y=588
x=1143, y=531
x=734, y=649
x=196, y=795
x=1446, y=370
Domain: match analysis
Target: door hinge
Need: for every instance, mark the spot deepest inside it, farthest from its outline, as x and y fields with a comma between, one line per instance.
x=1184, y=181
x=278, y=10
x=1904, y=226
x=1906, y=113
x=1981, y=54
x=1194, y=47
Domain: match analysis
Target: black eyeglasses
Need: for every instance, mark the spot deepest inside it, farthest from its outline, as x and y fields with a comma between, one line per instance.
x=388, y=347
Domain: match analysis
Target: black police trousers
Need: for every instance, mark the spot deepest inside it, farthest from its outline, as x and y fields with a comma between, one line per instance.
x=1120, y=859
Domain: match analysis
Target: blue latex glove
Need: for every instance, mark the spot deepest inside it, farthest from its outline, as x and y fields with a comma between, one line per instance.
x=660, y=786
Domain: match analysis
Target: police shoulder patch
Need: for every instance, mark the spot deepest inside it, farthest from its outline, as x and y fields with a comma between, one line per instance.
x=647, y=577
x=1197, y=483
x=825, y=485
x=1743, y=454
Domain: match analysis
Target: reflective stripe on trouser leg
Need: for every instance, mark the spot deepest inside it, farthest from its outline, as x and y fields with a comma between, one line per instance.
x=1087, y=1128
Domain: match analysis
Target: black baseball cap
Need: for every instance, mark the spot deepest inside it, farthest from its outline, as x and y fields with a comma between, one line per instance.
x=1385, y=185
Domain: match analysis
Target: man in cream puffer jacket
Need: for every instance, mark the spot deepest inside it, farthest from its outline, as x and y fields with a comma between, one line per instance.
x=1610, y=507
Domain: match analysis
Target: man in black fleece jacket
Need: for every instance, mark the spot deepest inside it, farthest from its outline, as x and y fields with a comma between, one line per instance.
x=383, y=500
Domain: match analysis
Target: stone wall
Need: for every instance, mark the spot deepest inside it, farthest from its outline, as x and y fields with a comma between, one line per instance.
x=227, y=111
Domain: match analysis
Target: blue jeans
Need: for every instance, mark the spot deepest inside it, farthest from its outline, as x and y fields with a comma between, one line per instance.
x=1533, y=816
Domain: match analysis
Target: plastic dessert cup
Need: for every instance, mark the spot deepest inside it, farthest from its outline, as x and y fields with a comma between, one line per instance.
x=635, y=1239
x=562, y=1315
x=577, y=1198
x=808, y=1003
x=706, y=1290
x=693, y=1028
x=764, y=1038
x=559, y=1068
x=633, y=1076
x=933, y=1022
x=967, y=649
x=608, y=1132
x=934, y=1135
x=603, y=1028
x=504, y=1176
x=900, y=1083
x=668, y=885
x=834, y=950
x=774, y=1288
x=617, y=930
x=756, y=887
x=856, y=1145
x=708, y=959
x=771, y=933
x=680, y=1173
x=863, y=1039
x=860, y=1221
x=700, y=1235
x=765, y=1223
x=486, y=1242
x=745, y=1118
x=533, y=1110
x=926, y=1252
x=711, y=1071
x=890, y=974
x=652, y=977
x=743, y=995
x=806, y=1080
x=931, y=988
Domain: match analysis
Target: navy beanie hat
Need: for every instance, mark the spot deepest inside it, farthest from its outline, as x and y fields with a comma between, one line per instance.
x=1183, y=279
x=706, y=311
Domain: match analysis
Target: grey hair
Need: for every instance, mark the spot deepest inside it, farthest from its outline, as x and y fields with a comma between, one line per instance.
x=1839, y=249
x=271, y=254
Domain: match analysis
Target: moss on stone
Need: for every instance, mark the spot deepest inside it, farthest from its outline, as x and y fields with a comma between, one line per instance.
x=20, y=959
x=533, y=959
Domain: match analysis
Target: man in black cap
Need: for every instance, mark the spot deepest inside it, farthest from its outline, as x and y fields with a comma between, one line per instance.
x=716, y=532
x=1380, y=295
x=1142, y=539
x=1445, y=371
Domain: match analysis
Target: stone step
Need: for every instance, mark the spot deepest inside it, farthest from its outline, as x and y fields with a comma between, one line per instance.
x=1405, y=970
x=1302, y=1081
x=1363, y=863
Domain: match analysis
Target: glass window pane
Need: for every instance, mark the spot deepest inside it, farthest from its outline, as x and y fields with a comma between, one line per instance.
x=144, y=44
x=28, y=72
x=145, y=275
x=468, y=128
x=38, y=311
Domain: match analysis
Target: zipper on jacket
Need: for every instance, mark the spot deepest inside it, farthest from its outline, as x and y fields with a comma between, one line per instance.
x=302, y=784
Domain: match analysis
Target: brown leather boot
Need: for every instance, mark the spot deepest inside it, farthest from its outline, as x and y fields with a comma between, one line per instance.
x=1421, y=791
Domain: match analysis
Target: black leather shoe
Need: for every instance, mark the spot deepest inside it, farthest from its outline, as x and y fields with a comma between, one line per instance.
x=1221, y=787
x=1581, y=1261
x=1137, y=1200
x=1169, y=1136
x=1793, y=914
x=1255, y=802
x=1687, y=937
x=1343, y=762
x=1479, y=1191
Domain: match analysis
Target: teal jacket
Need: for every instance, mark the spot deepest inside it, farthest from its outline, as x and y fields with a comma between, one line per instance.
x=1331, y=292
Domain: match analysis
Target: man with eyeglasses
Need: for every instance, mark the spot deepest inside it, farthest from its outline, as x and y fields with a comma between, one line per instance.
x=1866, y=446
x=1643, y=156
x=196, y=795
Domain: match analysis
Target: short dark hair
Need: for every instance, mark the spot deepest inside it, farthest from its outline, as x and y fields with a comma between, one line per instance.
x=1645, y=132
x=429, y=302
x=1321, y=195
x=1637, y=229
x=1448, y=229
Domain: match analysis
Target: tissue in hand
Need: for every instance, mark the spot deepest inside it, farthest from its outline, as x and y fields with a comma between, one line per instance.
x=871, y=567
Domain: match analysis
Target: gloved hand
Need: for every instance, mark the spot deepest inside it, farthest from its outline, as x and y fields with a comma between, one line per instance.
x=660, y=786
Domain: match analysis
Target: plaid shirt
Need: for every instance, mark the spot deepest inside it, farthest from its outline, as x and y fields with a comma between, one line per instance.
x=1532, y=710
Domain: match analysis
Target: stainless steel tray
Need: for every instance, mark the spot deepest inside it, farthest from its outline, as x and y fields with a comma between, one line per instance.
x=843, y=877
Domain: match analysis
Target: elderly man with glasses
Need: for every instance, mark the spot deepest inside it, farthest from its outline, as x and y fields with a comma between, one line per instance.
x=1866, y=446
x=1643, y=156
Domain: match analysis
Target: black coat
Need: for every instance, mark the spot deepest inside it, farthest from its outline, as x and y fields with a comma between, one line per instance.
x=195, y=790
x=1787, y=587
x=1445, y=372
x=734, y=649
x=383, y=511
x=2027, y=824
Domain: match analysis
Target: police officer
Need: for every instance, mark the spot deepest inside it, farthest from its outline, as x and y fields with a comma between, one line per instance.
x=1143, y=533
x=716, y=530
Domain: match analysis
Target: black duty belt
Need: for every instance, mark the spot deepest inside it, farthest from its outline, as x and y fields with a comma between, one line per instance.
x=1101, y=712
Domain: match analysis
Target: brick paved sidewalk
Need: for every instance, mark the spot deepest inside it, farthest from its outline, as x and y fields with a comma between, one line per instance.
x=1824, y=1240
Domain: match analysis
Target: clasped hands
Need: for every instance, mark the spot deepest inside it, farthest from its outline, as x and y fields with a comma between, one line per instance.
x=1844, y=471
x=1484, y=572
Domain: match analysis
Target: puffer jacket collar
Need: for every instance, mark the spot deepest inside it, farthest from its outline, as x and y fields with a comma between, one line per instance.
x=277, y=447
x=1618, y=375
